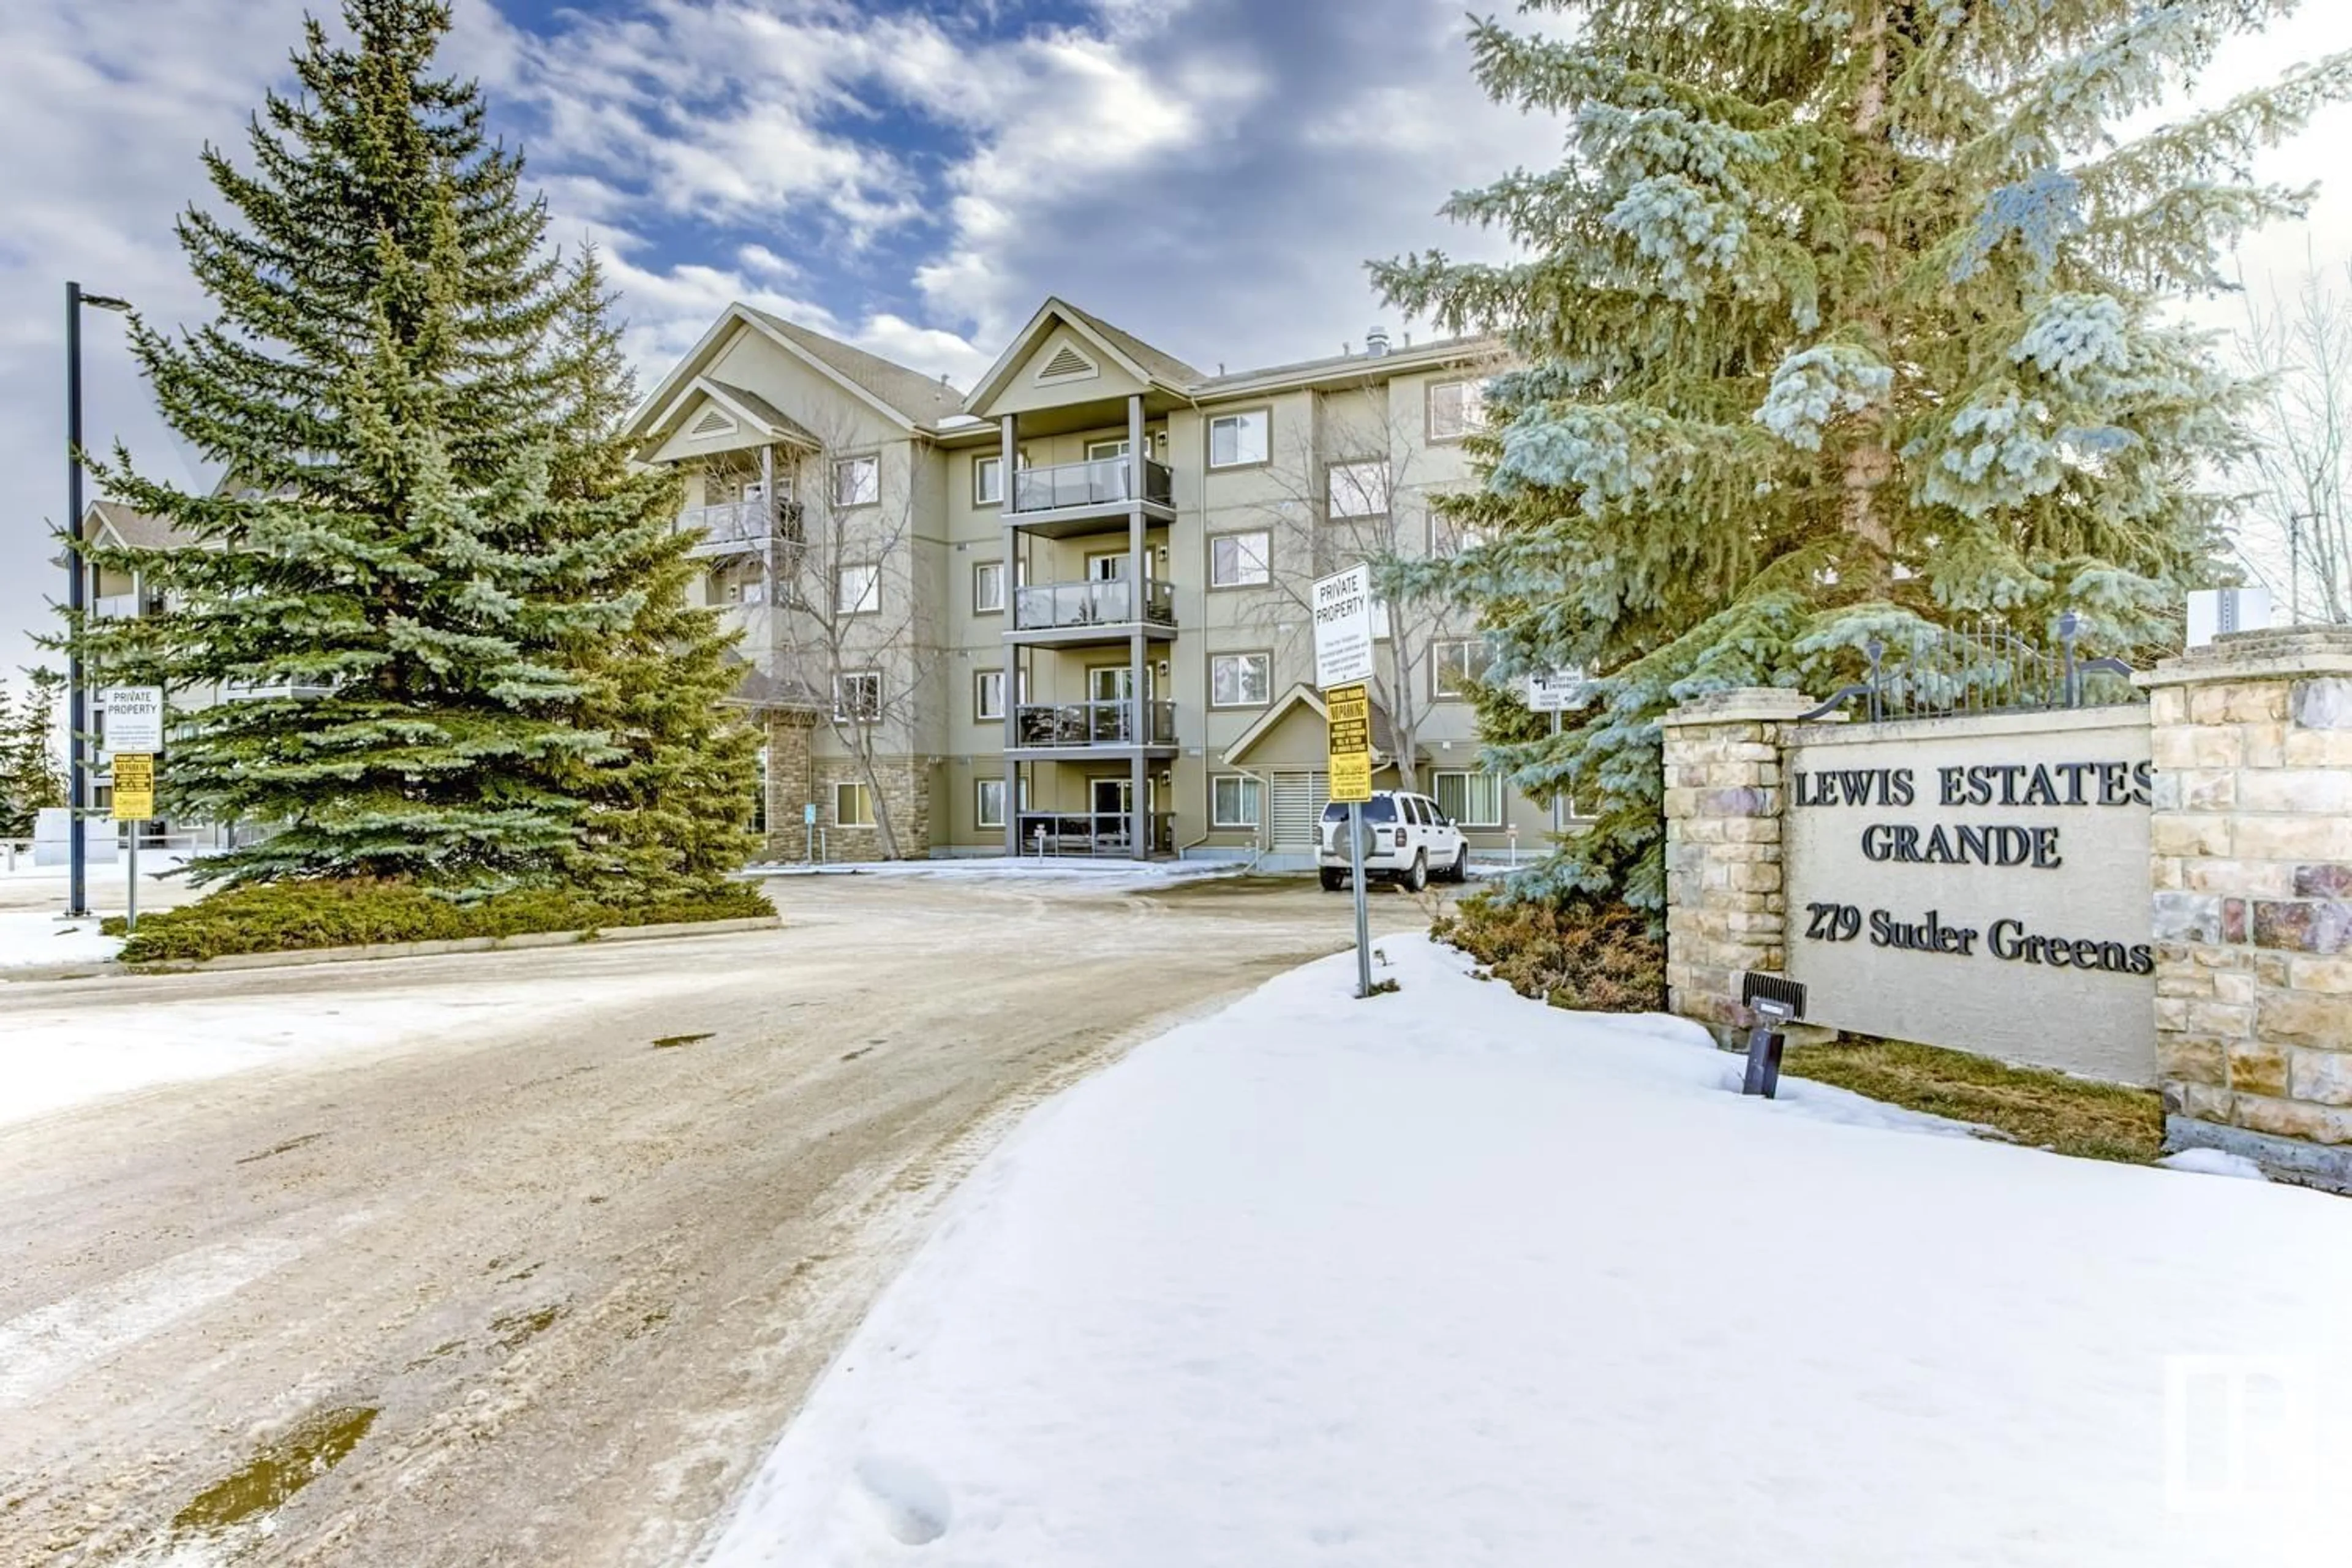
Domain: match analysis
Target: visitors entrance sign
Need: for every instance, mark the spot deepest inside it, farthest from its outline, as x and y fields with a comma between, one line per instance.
x=1351, y=748
x=1343, y=628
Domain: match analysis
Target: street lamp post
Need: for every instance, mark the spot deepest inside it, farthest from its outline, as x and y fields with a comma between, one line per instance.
x=78, y=602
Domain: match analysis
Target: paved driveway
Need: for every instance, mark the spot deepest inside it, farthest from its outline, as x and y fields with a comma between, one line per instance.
x=538, y=1284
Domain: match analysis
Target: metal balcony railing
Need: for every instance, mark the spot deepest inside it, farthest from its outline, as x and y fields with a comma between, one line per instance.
x=1094, y=832
x=1052, y=607
x=1064, y=724
x=1094, y=483
x=739, y=525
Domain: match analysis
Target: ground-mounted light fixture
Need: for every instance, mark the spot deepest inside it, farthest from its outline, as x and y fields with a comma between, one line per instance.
x=1775, y=1000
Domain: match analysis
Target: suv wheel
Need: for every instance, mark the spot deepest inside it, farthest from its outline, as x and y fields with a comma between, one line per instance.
x=1461, y=872
x=1334, y=880
x=1416, y=877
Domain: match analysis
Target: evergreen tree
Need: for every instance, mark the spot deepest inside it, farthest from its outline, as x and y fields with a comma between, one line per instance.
x=377, y=384
x=1842, y=319
x=670, y=806
x=30, y=777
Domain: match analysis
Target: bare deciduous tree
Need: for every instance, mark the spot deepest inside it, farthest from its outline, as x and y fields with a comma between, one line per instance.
x=2296, y=537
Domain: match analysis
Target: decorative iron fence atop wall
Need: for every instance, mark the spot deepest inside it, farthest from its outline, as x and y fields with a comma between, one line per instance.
x=1949, y=671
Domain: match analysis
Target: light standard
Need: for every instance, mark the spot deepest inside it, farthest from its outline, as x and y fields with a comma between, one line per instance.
x=77, y=601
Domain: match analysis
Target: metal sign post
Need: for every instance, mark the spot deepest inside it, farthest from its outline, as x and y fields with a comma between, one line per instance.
x=1349, y=755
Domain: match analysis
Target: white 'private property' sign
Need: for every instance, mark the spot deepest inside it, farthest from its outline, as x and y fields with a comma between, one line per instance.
x=134, y=719
x=1343, y=628
x=1978, y=882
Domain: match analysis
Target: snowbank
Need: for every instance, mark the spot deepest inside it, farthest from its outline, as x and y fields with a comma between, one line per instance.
x=1447, y=1278
x=1091, y=873
x=31, y=940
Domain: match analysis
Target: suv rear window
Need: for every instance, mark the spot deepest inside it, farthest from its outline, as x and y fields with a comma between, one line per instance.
x=1379, y=808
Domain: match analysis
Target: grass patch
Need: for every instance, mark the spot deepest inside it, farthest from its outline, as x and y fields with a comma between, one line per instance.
x=2039, y=1108
x=286, y=917
x=1594, y=958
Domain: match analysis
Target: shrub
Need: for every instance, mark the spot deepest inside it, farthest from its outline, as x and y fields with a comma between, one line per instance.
x=279, y=916
x=1591, y=956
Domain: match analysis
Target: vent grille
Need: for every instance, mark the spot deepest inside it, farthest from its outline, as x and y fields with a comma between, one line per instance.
x=1068, y=364
x=712, y=423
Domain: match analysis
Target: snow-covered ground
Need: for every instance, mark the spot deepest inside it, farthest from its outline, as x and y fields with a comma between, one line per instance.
x=1087, y=872
x=1448, y=1277
x=31, y=940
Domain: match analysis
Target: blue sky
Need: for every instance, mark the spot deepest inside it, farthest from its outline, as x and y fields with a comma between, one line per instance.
x=1209, y=173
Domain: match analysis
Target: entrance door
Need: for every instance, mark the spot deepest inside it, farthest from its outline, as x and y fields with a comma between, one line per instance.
x=1298, y=801
x=1106, y=568
x=1114, y=796
x=1116, y=683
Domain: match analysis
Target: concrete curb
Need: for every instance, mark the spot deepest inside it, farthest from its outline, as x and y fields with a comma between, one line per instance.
x=302, y=957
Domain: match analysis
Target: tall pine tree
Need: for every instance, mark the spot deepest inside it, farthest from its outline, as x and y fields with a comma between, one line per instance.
x=1842, y=319
x=30, y=778
x=669, y=808
x=377, y=383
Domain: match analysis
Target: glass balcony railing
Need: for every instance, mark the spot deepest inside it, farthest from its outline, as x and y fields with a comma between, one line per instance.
x=1049, y=833
x=737, y=525
x=1099, y=482
x=1056, y=606
x=1068, y=724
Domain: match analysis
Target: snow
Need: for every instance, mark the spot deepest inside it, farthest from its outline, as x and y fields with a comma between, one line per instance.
x=1089, y=872
x=1446, y=1277
x=2214, y=1163
x=30, y=940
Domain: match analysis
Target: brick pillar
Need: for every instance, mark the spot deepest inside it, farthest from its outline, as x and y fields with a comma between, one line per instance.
x=1726, y=910
x=792, y=779
x=2252, y=871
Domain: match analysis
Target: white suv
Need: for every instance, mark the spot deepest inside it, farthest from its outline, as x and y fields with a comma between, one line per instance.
x=1406, y=839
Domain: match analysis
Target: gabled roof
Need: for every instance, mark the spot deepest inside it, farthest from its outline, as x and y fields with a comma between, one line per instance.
x=1412, y=356
x=136, y=530
x=1135, y=356
x=1306, y=696
x=923, y=399
x=907, y=397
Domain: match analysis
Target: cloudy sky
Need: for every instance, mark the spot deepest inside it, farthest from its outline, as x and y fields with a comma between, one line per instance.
x=1209, y=173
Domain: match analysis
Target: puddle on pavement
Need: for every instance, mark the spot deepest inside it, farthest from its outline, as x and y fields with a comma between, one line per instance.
x=671, y=1042
x=278, y=1471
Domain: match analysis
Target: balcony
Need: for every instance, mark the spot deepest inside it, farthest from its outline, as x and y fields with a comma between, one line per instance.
x=271, y=690
x=1080, y=727
x=1057, y=833
x=1085, y=498
x=740, y=527
x=1094, y=611
x=124, y=606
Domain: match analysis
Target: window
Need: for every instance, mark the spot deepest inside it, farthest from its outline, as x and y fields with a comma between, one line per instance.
x=1456, y=408
x=1232, y=801
x=853, y=804
x=1237, y=441
x=1097, y=450
x=988, y=806
x=1450, y=536
x=858, y=696
x=1454, y=664
x=988, y=694
x=988, y=481
x=1241, y=560
x=856, y=481
x=860, y=590
x=1472, y=800
x=1241, y=680
x=1360, y=490
x=1582, y=800
x=1414, y=812
x=988, y=588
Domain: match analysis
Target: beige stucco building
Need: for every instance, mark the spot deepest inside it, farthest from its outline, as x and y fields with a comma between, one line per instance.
x=1107, y=656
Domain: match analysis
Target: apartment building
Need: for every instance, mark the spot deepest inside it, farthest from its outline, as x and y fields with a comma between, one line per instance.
x=1065, y=612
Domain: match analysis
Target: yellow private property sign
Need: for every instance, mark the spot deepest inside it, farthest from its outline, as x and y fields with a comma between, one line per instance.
x=1350, y=709
x=135, y=786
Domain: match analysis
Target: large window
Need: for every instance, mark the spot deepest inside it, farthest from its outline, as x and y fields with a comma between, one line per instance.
x=1241, y=560
x=1456, y=408
x=856, y=481
x=988, y=695
x=1233, y=800
x=1241, y=680
x=1456, y=663
x=1360, y=490
x=988, y=481
x=1237, y=441
x=1472, y=800
x=988, y=587
x=857, y=695
x=988, y=807
x=853, y=804
x=859, y=590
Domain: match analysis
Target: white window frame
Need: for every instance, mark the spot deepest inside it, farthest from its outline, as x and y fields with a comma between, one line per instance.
x=1104, y=450
x=1463, y=818
x=1448, y=539
x=1240, y=418
x=860, y=788
x=868, y=599
x=981, y=680
x=856, y=493
x=1249, y=787
x=984, y=464
x=864, y=711
x=1471, y=414
x=1265, y=659
x=1356, y=489
x=980, y=789
x=1471, y=666
x=982, y=604
x=1263, y=558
